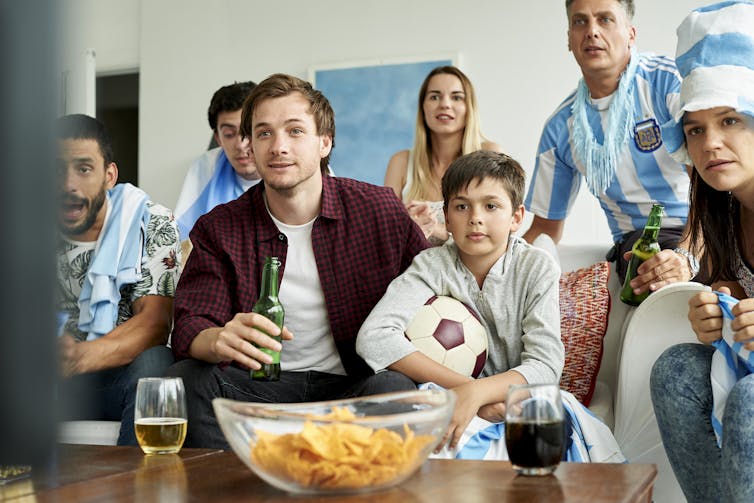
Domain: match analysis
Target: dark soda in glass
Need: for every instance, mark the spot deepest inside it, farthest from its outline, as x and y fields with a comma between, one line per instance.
x=535, y=445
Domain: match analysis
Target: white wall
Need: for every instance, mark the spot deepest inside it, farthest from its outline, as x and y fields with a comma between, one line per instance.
x=110, y=27
x=514, y=52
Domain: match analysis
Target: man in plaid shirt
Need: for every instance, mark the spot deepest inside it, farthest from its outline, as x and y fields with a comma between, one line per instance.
x=340, y=241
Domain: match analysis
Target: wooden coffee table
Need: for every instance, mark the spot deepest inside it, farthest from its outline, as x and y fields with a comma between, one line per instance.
x=105, y=473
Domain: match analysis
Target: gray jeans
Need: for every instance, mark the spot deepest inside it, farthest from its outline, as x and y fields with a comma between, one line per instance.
x=205, y=381
x=682, y=398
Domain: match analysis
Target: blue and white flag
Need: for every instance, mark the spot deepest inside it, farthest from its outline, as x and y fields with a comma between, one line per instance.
x=730, y=362
x=589, y=440
x=210, y=181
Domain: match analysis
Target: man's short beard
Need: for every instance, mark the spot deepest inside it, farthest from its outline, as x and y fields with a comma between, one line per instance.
x=91, y=216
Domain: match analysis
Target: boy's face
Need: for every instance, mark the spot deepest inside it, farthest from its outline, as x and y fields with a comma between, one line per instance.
x=481, y=217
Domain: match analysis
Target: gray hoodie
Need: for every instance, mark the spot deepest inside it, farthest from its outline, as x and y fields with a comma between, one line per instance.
x=518, y=306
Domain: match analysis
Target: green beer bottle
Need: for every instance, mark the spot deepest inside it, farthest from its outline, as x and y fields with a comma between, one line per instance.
x=270, y=307
x=644, y=248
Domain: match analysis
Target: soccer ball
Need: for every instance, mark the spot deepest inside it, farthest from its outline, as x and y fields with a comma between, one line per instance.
x=450, y=333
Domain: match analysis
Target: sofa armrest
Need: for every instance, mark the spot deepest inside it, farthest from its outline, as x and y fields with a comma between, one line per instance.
x=659, y=322
x=89, y=432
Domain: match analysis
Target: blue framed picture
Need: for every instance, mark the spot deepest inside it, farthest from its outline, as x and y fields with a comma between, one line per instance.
x=375, y=111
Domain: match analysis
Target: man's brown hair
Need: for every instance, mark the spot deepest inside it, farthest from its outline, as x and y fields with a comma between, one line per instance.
x=279, y=85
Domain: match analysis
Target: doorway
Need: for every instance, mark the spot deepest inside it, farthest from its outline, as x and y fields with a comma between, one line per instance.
x=118, y=108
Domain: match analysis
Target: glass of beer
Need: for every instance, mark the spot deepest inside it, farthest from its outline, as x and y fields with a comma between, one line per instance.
x=160, y=417
x=534, y=428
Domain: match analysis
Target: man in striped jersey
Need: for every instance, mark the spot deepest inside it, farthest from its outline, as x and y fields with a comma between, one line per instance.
x=608, y=133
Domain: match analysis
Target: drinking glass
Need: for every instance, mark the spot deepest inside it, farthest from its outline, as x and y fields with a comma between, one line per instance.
x=160, y=417
x=534, y=428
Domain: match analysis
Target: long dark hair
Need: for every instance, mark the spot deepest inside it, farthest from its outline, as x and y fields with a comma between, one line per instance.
x=715, y=226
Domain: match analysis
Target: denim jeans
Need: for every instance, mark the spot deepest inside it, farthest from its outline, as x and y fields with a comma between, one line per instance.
x=206, y=381
x=682, y=398
x=111, y=394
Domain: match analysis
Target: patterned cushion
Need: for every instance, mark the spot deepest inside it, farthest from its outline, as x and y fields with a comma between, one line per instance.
x=584, y=310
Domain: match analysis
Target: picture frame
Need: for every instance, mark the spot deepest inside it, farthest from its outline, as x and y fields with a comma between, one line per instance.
x=375, y=104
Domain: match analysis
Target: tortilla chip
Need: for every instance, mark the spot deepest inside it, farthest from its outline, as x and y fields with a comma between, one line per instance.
x=339, y=455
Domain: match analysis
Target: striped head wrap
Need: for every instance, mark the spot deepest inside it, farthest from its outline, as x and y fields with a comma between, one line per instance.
x=715, y=57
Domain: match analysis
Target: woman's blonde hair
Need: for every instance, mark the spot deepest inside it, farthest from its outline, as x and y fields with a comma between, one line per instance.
x=472, y=137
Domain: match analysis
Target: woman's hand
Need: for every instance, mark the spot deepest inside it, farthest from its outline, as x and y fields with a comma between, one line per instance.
x=421, y=213
x=706, y=317
x=743, y=323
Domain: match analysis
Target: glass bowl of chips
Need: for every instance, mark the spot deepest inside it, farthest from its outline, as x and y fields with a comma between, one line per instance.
x=341, y=446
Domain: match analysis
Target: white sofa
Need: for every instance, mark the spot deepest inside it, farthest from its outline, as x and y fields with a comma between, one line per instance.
x=574, y=257
x=621, y=393
x=634, y=339
x=89, y=432
x=571, y=257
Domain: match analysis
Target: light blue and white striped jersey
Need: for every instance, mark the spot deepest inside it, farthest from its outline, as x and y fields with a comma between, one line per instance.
x=646, y=173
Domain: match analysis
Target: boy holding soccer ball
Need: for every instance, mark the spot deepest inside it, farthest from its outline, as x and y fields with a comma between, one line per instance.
x=512, y=286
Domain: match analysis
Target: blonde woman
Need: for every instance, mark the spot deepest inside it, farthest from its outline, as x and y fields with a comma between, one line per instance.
x=447, y=126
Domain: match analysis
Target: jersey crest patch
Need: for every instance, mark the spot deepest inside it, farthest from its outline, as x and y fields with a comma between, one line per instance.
x=647, y=136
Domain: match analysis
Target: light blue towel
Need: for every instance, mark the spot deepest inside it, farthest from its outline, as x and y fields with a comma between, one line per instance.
x=116, y=260
x=221, y=187
x=730, y=362
x=600, y=159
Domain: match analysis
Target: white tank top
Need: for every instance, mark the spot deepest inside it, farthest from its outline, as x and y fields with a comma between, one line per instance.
x=435, y=205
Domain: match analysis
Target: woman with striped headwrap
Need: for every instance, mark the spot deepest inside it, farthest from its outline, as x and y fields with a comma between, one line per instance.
x=703, y=394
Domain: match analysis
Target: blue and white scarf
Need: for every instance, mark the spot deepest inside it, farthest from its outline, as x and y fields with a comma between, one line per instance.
x=600, y=158
x=589, y=439
x=715, y=57
x=730, y=362
x=221, y=187
x=116, y=260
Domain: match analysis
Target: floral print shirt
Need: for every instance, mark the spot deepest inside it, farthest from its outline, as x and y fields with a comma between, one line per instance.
x=159, y=270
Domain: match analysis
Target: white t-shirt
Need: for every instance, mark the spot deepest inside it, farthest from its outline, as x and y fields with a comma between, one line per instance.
x=313, y=347
x=246, y=184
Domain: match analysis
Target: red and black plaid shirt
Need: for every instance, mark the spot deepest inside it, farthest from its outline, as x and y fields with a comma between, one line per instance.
x=362, y=239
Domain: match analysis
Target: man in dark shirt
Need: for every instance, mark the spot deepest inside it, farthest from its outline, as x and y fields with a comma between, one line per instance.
x=340, y=242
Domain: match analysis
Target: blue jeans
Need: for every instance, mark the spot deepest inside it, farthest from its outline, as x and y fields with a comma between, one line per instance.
x=111, y=394
x=682, y=398
x=206, y=381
